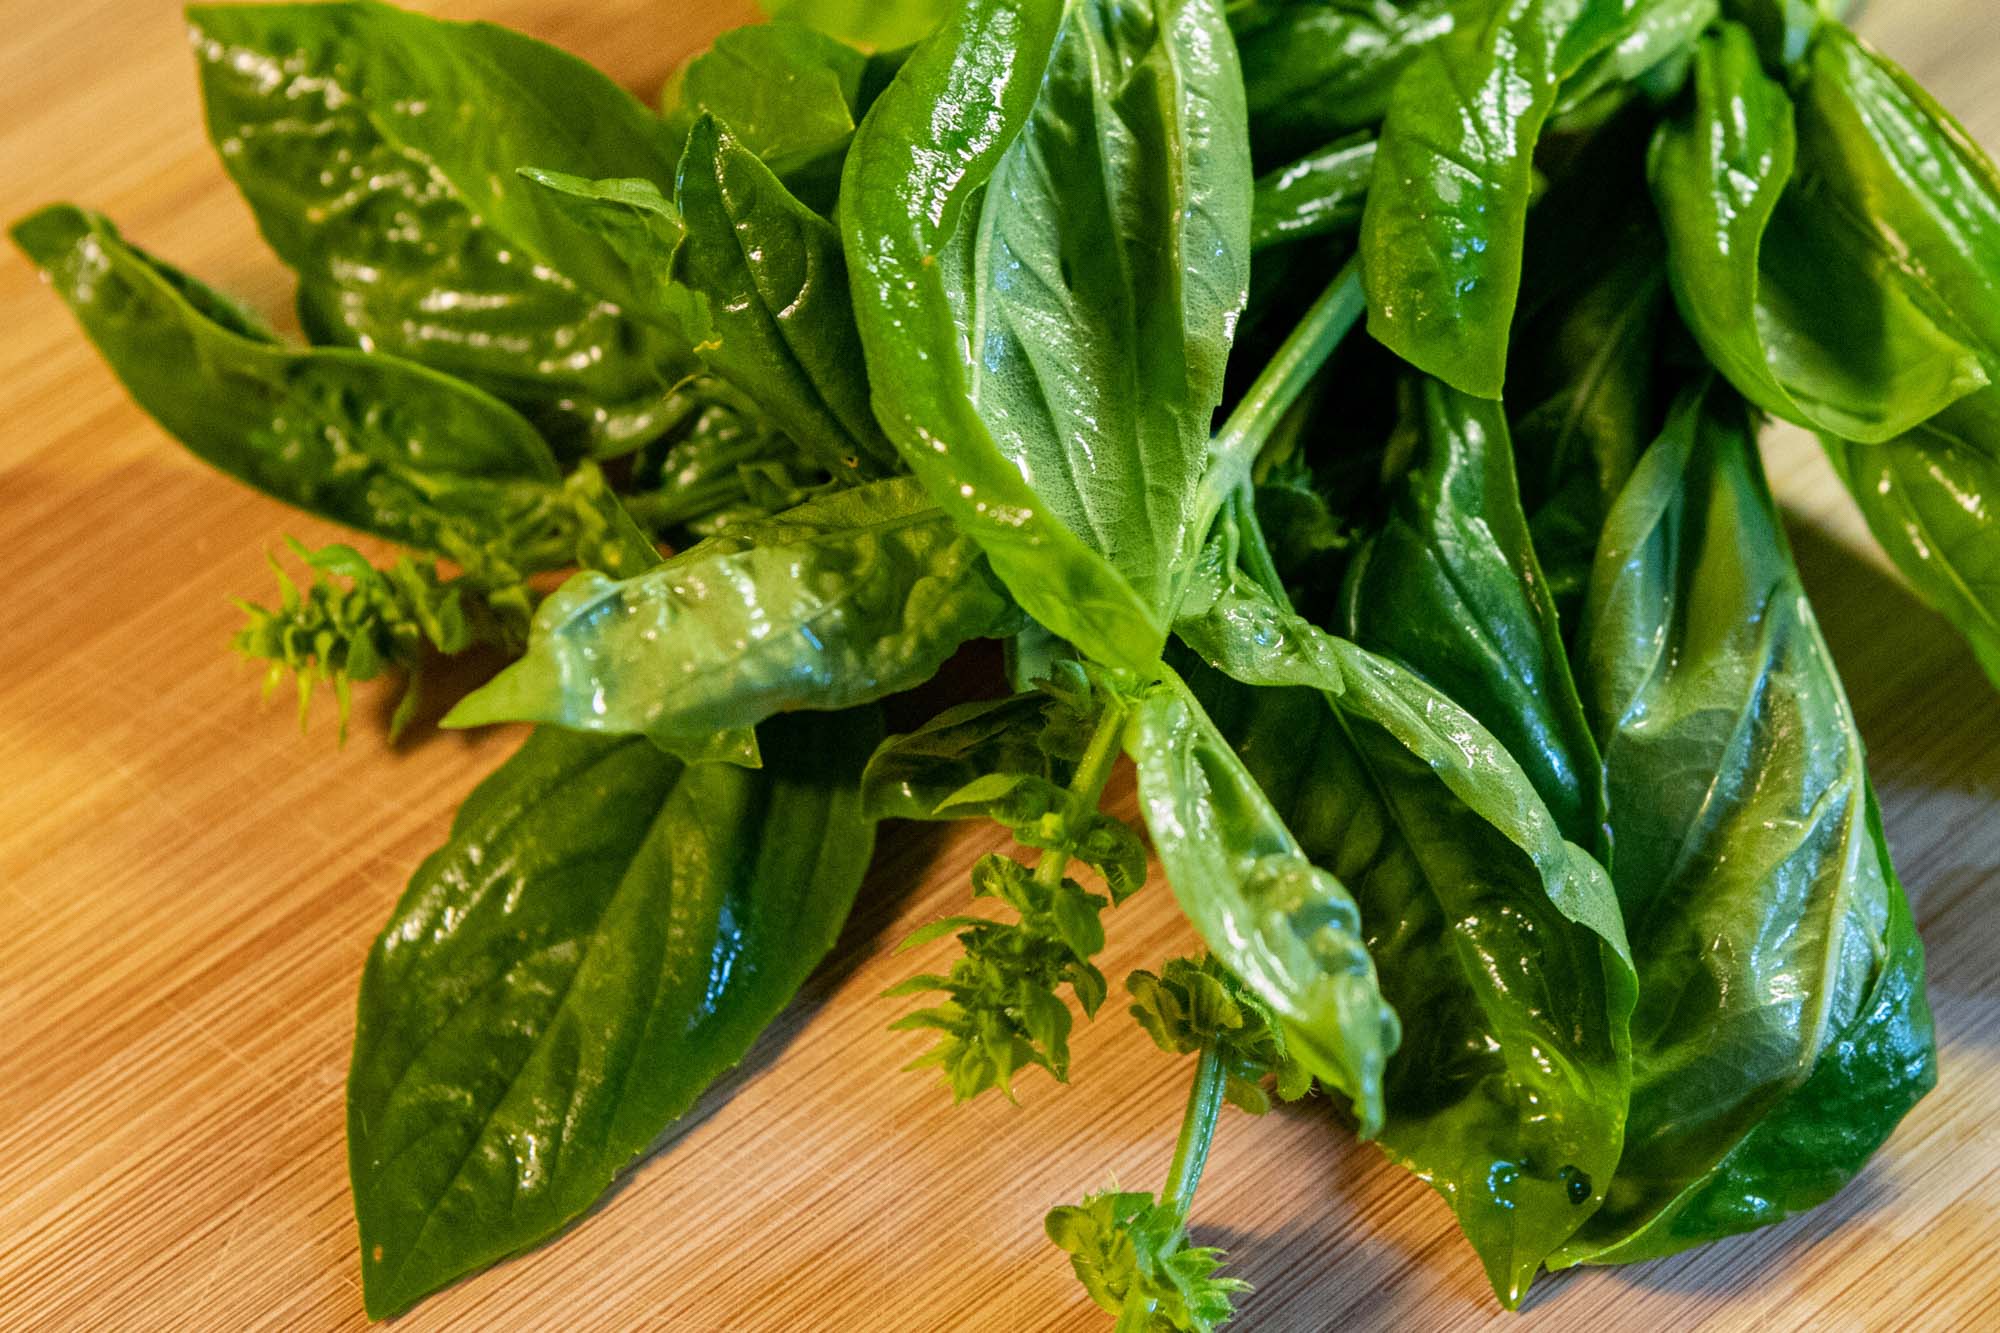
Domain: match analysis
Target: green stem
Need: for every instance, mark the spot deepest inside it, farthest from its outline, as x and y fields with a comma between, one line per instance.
x=1256, y=552
x=1086, y=789
x=1233, y=452
x=1204, y=1107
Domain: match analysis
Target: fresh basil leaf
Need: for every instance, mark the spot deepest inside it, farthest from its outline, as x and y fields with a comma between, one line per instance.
x=880, y=24
x=1321, y=194
x=1929, y=498
x=1450, y=587
x=775, y=281
x=1285, y=928
x=372, y=441
x=1047, y=219
x=1771, y=935
x=1806, y=322
x=1498, y=943
x=847, y=599
x=1659, y=42
x=1442, y=234
x=1881, y=157
x=606, y=932
x=377, y=149
x=1315, y=69
x=791, y=95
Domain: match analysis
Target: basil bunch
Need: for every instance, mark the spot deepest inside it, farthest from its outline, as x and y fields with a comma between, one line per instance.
x=1482, y=727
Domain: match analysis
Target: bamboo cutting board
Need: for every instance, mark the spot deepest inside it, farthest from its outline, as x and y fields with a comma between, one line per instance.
x=188, y=888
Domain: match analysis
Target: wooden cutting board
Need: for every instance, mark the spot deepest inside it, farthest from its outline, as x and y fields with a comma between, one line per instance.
x=188, y=887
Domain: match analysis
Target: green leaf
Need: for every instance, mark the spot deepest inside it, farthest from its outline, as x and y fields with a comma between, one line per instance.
x=640, y=231
x=1498, y=944
x=372, y=441
x=793, y=96
x=1929, y=498
x=605, y=933
x=1047, y=220
x=1782, y=1029
x=844, y=600
x=775, y=281
x=873, y=23
x=1321, y=194
x=1450, y=587
x=1287, y=929
x=377, y=149
x=1442, y=235
x=1321, y=68
x=1805, y=319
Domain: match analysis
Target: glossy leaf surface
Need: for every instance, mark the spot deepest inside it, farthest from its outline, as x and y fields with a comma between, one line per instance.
x=1047, y=220
x=366, y=140
x=846, y=599
x=605, y=933
x=1498, y=944
x=1282, y=926
x=1807, y=322
x=1450, y=587
x=1321, y=194
x=1442, y=236
x=1771, y=935
x=381, y=444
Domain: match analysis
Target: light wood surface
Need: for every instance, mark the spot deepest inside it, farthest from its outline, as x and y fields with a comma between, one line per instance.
x=188, y=888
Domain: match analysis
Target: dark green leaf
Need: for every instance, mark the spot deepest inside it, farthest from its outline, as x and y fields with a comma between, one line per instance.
x=1780, y=980
x=1047, y=219
x=377, y=149
x=1806, y=320
x=1499, y=945
x=846, y=599
x=1450, y=587
x=606, y=932
x=912, y=775
x=378, y=443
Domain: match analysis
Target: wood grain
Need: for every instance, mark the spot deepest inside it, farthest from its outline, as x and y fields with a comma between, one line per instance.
x=188, y=888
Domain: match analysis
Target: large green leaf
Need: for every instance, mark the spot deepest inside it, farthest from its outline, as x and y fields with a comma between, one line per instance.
x=1782, y=1029
x=1807, y=320
x=1047, y=220
x=1450, y=587
x=372, y=441
x=1282, y=926
x=605, y=933
x=377, y=149
x=1499, y=944
x=1442, y=235
x=849, y=598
